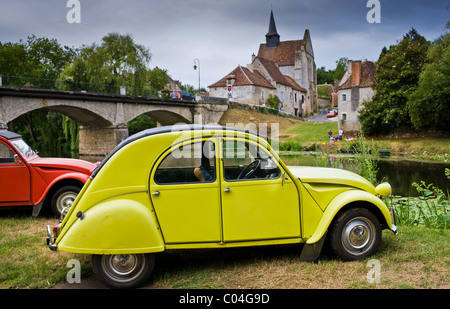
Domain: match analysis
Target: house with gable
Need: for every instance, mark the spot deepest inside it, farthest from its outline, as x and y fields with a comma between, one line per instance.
x=355, y=88
x=282, y=69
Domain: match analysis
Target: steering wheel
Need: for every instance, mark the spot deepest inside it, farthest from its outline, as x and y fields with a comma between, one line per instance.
x=250, y=169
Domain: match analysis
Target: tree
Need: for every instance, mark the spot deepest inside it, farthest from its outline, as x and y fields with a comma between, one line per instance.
x=397, y=76
x=341, y=68
x=324, y=76
x=118, y=61
x=39, y=61
x=157, y=78
x=429, y=104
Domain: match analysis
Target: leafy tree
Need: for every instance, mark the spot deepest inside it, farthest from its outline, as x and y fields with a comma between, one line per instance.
x=429, y=104
x=341, y=68
x=157, y=78
x=324, y=76
x=397, y=76
x=118, y=61
x=37, y=61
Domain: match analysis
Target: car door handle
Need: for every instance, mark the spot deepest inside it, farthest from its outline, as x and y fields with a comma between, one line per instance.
x=155, y=193
x=227, y=190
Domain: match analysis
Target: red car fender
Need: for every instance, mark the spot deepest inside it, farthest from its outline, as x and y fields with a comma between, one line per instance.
x=68, y=176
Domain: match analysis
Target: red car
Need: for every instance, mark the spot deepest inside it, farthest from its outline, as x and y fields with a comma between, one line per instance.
x=29, y=180
x=331, y=114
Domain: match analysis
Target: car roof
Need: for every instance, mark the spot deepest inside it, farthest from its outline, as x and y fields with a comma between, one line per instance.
x=167, y=129
x=9, y=135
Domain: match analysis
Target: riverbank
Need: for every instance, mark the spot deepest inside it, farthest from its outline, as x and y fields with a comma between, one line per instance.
x=304, y=135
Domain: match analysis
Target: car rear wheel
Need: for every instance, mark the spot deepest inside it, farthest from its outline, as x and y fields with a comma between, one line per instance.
x=64, y=197
x=123, y=270
x=356, y=234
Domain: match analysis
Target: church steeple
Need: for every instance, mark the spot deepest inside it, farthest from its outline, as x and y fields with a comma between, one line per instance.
x=272, y=37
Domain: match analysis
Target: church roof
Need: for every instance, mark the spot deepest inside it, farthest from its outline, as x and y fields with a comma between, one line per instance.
x=284, y=54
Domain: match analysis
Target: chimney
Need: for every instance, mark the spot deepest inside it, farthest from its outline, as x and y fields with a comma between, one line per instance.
x=356, y=73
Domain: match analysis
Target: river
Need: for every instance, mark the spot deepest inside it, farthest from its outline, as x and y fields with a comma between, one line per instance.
x=400, y=172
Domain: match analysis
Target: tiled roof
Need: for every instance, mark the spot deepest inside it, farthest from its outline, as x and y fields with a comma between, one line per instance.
x=363, y=75
x=294, y=85
x=284, y=54
x=243, y=77
x=277, y=76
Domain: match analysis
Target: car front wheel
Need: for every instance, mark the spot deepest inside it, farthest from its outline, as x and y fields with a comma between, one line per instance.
x=123, y=270
x=356, y=234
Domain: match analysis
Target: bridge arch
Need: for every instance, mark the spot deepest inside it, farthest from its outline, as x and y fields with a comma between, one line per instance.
x=103, y=118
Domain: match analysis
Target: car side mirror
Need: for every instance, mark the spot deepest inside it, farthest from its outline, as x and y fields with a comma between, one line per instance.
x=17, y=159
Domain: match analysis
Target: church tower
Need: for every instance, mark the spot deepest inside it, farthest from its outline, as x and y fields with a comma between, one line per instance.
x=272, y=37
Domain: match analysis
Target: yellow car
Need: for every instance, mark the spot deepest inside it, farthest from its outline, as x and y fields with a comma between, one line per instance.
x=195, y=186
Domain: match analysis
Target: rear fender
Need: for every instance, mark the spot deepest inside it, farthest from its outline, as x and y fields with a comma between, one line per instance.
x=113, y=227
x=343, y=199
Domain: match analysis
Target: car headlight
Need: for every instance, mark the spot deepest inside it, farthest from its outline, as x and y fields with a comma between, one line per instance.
x=383, y=189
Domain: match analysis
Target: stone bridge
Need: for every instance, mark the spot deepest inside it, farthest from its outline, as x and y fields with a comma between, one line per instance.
x=103, y=118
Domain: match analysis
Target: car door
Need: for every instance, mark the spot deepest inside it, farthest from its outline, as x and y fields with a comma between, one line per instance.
x=259, y=200
x=14, y=177
x=184, y=190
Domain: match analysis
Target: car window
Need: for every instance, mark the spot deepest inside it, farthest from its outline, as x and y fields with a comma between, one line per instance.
x=247, y=160
x=189, y=163
x=6, y=155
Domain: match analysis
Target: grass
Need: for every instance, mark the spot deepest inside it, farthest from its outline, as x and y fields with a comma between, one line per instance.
x=419, y=257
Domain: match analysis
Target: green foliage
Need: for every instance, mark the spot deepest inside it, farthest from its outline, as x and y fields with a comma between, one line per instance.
x=118, y=61
x=272, y=101
x=397, y=76
x=324, y=91
x=341, y=68
x=140, y=123
x=429, y=104
x=324, y=76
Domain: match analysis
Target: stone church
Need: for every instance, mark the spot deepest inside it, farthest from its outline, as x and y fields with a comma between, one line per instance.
x=285, y=70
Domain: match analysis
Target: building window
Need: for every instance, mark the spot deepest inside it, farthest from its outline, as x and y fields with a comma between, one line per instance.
x=262, y=95
x=344, y=97
x=344, y=116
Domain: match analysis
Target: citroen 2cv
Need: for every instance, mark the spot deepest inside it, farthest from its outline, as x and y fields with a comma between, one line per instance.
x=196, y=186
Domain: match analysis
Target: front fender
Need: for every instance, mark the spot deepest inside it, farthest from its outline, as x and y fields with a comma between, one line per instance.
x=342, y=200
x=113, y=227
x=80, y=177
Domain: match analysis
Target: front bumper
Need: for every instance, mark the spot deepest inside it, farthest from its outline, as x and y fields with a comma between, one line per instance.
x=51, y=239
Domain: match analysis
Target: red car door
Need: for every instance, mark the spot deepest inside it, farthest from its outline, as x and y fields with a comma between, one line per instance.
x=14, y=178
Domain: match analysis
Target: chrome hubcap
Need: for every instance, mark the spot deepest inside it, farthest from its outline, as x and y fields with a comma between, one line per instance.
x=358, y=236
x=66, y=200
x=123, y=267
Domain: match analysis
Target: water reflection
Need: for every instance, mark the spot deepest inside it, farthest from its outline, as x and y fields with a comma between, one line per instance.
x=399, y=172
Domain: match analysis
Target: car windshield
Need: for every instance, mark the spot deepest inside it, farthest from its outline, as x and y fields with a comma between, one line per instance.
x=23, y=147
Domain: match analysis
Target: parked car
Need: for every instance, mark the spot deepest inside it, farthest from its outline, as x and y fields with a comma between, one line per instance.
x=29, y=180
x=331, y=114
x=182, y=95
x=188, y=187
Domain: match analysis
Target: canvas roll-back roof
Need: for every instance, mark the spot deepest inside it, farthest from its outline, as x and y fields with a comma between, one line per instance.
x=9, y=134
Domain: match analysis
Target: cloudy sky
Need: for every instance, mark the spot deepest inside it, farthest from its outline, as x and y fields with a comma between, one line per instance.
x=224, y=34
